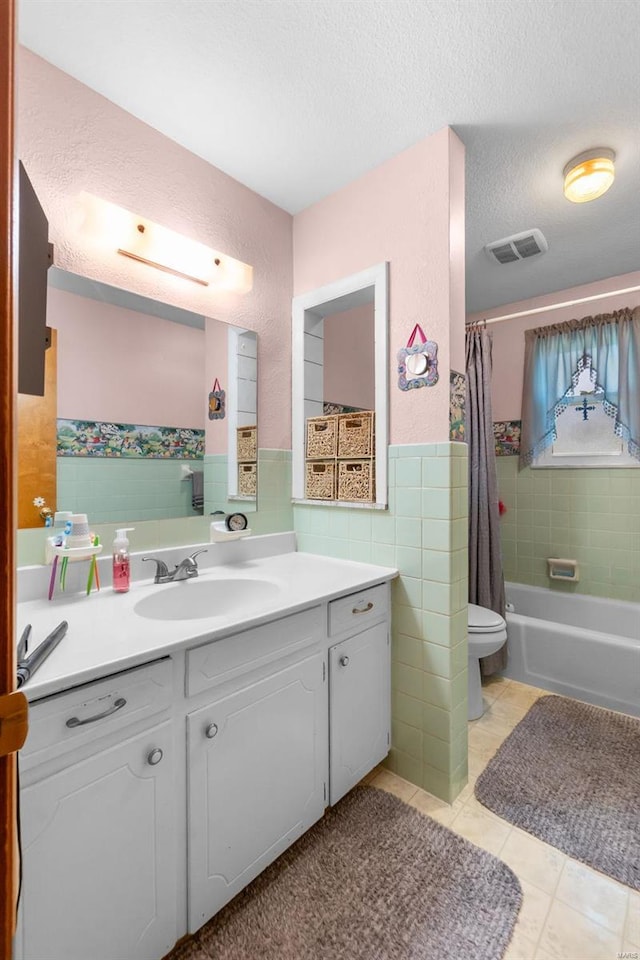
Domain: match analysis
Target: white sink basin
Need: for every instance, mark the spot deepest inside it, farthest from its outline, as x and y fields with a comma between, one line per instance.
x=203, y=599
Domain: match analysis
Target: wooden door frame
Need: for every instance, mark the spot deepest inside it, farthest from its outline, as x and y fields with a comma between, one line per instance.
x=8, y=699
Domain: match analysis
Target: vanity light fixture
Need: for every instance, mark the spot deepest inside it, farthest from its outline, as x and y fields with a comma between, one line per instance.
x=115, y=229
x=589, y=175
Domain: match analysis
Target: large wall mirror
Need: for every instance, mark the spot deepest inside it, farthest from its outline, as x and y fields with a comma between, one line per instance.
x=339, y=357
x=149, y=413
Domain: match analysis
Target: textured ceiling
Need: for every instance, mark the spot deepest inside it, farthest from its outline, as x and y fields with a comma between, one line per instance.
x=295, y=98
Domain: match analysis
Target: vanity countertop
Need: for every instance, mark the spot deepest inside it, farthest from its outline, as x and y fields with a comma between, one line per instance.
x=106, y=635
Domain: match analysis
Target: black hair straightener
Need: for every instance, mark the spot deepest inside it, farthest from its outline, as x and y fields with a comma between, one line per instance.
x=28, y=664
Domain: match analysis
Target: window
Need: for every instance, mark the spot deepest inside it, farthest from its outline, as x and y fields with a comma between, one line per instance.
x=580, y=393
x=585, y=432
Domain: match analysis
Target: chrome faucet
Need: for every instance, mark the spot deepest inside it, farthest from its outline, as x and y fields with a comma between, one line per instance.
x=187, y=569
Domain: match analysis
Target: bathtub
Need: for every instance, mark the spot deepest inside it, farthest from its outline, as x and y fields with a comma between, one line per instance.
x=581, y=646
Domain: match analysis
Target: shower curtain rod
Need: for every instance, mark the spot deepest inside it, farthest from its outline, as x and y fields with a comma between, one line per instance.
x=556, y=306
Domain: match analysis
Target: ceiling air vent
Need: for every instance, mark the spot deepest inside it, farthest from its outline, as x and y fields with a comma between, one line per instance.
x=520, y=246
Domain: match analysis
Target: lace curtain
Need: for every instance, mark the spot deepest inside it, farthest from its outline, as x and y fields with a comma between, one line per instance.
x=553, y=357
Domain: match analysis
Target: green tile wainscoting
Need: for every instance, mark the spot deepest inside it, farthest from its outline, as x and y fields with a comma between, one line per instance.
x=590, y=515
x=274, y=514
x=424, y=534
x=111, y=490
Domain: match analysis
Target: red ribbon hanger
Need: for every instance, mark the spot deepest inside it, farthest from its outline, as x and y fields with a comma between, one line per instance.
x=216, y=386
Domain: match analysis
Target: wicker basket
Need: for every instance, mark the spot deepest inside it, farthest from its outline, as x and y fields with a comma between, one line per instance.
x=247, y=444
x=356, y=480
x=356, y=438
x=322, y=437
x=247, y=479
x=320, y=481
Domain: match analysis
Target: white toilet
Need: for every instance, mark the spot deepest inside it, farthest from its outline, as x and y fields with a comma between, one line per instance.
x=487, y=633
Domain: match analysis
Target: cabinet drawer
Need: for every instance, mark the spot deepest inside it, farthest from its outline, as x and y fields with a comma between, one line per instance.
x=358, y=609
x=68, y=720
x=223, y=660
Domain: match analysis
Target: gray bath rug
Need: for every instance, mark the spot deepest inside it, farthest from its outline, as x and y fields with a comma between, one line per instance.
x=569, y=773
x=373, y=880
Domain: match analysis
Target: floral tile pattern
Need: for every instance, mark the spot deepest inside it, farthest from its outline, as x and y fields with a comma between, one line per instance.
x=457, y=403
x=329, y=408
x=507, y=437
x=91, y=438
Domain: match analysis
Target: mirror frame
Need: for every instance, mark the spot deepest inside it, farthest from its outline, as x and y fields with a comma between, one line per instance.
x=376, y=277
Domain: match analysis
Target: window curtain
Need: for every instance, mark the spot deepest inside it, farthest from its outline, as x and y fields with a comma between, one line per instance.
x=486, y=581
x=554, y=355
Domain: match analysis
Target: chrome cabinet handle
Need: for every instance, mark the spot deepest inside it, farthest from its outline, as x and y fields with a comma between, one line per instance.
x=155, y=756
x=344, y=661
x=117, y=705
x=366, y=609
x=211, y=731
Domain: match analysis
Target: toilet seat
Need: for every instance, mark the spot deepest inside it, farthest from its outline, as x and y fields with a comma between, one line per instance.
x=482, y=620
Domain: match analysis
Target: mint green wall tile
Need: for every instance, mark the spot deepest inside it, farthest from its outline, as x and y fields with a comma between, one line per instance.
x=437, y=722
x=409, y=532
x=383, y=554
x=437, y=534
x=408, y=472
x=436, y=628
x=459, y=688
x=438, y=472
x=408, y=709
x=437, y=502
x=383, y=528
x=436, y=753
x=437, y=565
x=360, y=551
x=437, y=597
x=407, y=739
x=407, y=501
x=407, y=590
x=409, y=561
x=409, y=768
x=437, y=782
x=436, y=659
x=407, y=620
x=436, y=690
x=407, y=680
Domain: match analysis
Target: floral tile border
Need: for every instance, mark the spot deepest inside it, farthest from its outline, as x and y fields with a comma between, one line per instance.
x=506, y=435
x=457, y=404
x=95, y=438
x=329, y=408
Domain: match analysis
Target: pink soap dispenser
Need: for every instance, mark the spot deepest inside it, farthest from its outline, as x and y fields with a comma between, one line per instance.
x=121, y=561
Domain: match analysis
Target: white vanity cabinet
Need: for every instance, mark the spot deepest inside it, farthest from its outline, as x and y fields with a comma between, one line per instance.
x=359, y=690
x=98, y=823
x=257, y=753
x=150, y=798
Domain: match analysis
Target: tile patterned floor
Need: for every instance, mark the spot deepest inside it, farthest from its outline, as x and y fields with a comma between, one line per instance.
x=569, y=911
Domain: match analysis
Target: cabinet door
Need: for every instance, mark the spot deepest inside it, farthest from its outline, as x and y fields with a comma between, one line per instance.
x=257, y=780
x=359, y=707
x=99, y=864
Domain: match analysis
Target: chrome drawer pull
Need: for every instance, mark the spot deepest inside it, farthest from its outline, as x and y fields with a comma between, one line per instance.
x=344, y=661
x=117, y=705
x=211, y=731
x=366, y=609
x=155, y=756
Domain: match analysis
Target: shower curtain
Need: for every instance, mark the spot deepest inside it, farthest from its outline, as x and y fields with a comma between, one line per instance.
x=486, y=581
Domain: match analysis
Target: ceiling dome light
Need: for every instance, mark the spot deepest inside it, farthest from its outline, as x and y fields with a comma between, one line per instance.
x=589, y=175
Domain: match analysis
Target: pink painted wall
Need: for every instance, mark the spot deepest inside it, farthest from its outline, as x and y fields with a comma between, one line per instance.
x=348, y=358
x=72, y=140
x=508, y=337
x=117, y=364
x=400, y=212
